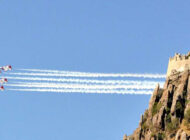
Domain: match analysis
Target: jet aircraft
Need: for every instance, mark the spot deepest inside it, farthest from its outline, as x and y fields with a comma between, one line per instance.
x=6, y=68
x=4, y=80
x=2, y=88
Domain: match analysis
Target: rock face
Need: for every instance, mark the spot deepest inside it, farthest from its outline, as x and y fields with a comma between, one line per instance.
x=168, y=115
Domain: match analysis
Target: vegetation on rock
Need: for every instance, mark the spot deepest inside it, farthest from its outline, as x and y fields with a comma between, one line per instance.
x=156, y=108
x=173, y=125
x=187, y=119
x=168, y=116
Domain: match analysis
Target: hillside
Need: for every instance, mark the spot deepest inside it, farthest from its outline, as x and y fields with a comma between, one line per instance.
x=168, y=115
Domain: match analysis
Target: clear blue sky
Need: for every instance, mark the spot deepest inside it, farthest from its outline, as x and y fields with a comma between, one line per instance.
x=92, y=36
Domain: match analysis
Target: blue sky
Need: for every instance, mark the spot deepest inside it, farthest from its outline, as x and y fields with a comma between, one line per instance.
x=91, y=36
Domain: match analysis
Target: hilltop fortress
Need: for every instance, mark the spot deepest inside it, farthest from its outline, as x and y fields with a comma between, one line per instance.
x=168, y=115
x=178, y=63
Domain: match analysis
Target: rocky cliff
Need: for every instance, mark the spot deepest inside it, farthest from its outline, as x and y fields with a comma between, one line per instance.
x=168, y=115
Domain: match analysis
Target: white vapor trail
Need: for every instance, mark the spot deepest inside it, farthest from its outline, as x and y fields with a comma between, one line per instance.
x=80, y=86
x=82, y=82
x=49, y=71
x=90, y=73
x=87, y=80
x=71, y=74
x=88, y=91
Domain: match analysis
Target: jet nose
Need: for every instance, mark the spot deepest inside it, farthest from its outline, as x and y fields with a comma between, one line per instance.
x=2, y=88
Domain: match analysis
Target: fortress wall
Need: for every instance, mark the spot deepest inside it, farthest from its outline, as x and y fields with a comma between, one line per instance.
x=178, y=65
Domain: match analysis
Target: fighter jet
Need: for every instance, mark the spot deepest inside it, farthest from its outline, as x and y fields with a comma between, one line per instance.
x=6, y=68
x=1, y=88
x=3, y=80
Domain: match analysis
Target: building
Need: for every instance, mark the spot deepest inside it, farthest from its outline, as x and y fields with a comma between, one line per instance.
x=178, y=63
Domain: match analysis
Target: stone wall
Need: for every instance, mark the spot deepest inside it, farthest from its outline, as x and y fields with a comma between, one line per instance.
x=178, y=63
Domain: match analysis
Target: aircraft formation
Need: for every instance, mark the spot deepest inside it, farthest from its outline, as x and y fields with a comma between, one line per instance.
x=4, y=80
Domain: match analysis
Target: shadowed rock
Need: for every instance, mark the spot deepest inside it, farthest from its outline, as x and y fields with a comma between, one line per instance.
x=168, y=115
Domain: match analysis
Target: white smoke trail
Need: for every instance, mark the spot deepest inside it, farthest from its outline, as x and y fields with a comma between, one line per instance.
x=91, y=75
x=88, y=80
x=48, y=71
x=79, y=86
x=87, y=91
x=96, y=74
x=83, y=85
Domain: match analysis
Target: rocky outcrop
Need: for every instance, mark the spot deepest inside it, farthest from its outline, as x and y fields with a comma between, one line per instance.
x=168, y=115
